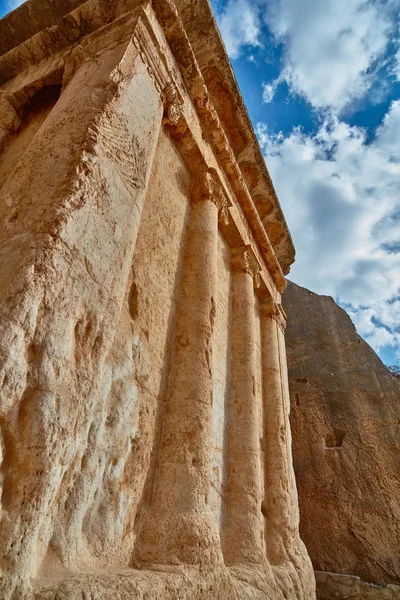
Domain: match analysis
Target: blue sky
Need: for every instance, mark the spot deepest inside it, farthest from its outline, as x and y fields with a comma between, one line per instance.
x=321, y=80
x=7, y=6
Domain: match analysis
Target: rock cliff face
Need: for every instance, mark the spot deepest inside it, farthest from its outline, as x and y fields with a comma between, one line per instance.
x=345, y=417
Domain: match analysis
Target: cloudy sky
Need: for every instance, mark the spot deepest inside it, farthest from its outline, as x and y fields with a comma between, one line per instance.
x=321, y=79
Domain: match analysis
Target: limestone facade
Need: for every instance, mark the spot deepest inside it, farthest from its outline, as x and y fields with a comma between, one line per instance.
x=145, y=440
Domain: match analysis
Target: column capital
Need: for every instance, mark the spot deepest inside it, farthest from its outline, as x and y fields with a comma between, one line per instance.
x=273, y=310
x=172, y=104
x=244, y=260
x=205, y=187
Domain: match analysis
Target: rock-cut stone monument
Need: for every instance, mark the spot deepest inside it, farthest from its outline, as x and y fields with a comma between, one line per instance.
x=144, y=416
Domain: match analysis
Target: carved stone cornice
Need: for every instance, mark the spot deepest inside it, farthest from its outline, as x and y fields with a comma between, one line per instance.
x=140, y=26
x=146, y=43
x=152, y=56
x=211, y=72
x=63, y=30
x=206, y=187
x=270, y=309
x=243, y=260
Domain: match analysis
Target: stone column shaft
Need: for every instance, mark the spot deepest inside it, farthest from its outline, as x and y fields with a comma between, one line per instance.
x=280, y=501
x=182, y=530
x=243, y=530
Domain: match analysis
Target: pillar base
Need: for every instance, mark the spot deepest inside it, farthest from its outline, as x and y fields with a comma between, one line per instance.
x=179, y=539
x=185, y=582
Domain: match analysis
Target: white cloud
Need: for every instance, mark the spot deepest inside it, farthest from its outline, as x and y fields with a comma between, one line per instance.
x=269, y=91
x=380, y=338
x=330, y=46
x=239, y=23
x=397, y=65
x=377, y=335
x=341, y=198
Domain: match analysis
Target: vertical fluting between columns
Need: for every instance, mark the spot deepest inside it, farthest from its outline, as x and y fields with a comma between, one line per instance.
x=243, y=525
x=181, y=529
x=279, y=501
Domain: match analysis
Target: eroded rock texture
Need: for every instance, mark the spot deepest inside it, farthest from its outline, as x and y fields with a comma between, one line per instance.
x=333, y=585
x=346, y=443
x=144, y=408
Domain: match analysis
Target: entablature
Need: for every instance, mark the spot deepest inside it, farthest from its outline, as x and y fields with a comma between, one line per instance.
x=166, y=50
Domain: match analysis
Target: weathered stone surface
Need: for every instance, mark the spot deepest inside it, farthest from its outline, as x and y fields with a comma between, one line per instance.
x=144, y=453
x=346, y=442
x=333, y=585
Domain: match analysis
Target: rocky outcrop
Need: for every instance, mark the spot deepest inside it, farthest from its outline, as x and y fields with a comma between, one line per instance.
x=345, y=417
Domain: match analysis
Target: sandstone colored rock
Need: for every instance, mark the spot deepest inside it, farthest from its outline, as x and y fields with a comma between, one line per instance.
x=144, y=414
x=333, y=585
x=345, y=422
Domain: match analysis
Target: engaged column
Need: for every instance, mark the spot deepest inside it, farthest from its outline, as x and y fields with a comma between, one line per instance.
x=243, y=530
x=180, y=528
x=280, y=492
